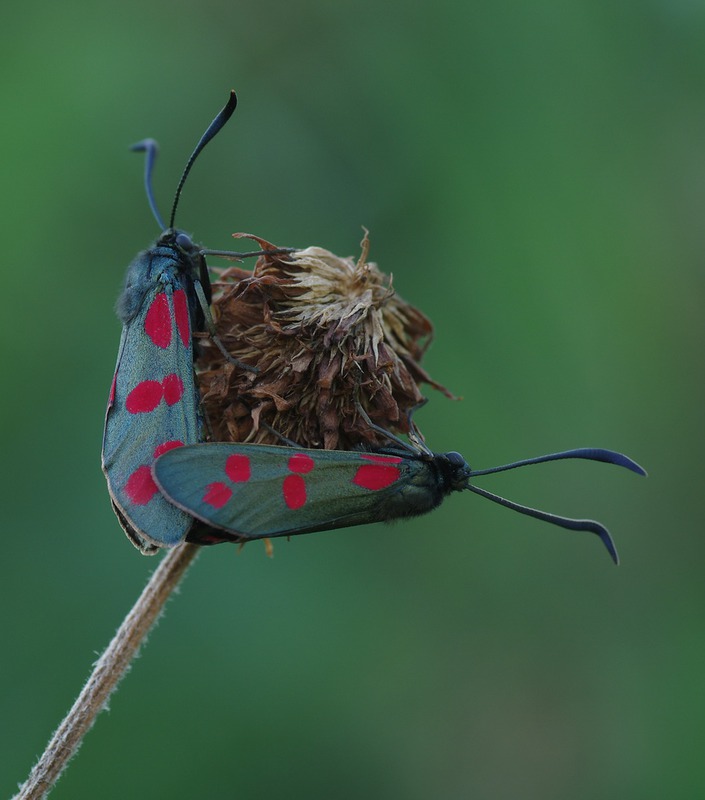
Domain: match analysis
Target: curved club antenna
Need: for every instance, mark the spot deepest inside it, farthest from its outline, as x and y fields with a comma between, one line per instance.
x=151, y=148
x=589, y=453
x=223, y=116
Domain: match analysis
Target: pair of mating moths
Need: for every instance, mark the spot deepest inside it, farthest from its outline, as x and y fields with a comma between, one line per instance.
x=167, y=485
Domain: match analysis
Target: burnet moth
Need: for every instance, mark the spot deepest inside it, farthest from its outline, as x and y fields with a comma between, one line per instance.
x=154, y=404
x=265, y=491
x=167, y=485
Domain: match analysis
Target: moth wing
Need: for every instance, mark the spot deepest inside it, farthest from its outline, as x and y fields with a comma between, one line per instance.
x=153, y=406
x=258, y=491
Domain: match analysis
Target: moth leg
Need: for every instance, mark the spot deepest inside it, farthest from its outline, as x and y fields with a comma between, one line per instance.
x=415, y=435
x=268, y=547
x=278, y=251
x=280, y=436
x=212, y=331
x=207, y=427
x=388, y=434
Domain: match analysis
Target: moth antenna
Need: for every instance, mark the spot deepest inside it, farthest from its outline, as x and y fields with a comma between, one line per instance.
x=562, y=522
x=151, y=148
x=223, y=116
x=588, y=453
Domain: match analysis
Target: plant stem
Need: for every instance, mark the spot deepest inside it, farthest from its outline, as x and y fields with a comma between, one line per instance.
x=108, y=671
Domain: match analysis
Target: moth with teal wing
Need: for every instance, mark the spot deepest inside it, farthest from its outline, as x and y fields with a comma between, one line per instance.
x=266, y=491
x=154, y=404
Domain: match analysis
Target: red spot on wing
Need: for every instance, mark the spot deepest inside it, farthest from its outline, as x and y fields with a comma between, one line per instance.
x=301, y=463
x=294, y=491
x=140, y=486
x=376, y=476
x=217, y=494
x=166, y=446
x=183, y=323
x=157, y=322
x=145, y=397
x=173, y=389
x=237, y=468
x=111, y=396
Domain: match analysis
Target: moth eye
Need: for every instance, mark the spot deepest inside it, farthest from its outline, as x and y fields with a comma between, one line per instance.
x=183, y=240
x=455, y=459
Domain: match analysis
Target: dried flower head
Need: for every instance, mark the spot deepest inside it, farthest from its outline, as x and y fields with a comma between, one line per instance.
x=327, y=335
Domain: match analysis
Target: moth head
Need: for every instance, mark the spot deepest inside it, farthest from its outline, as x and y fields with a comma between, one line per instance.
x=458, y=471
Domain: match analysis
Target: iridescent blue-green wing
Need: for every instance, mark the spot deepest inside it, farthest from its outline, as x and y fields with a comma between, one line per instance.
x=258, y=491
x=153, y=406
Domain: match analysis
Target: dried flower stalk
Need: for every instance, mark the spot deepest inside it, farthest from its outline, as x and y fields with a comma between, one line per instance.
x=327, y=334
x=107, y=673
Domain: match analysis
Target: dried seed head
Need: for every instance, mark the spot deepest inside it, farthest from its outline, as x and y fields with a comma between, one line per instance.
x=327, y=334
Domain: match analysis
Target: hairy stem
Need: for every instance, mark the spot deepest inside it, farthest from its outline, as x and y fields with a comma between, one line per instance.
x=108, y=671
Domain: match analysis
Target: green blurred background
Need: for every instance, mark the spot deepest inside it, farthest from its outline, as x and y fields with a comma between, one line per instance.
x=533, y=174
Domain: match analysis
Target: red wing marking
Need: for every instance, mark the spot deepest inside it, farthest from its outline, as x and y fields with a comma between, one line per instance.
x=217, y=494
x=145, y=397
x=164, y=448
x=237, y=468
x=111, y=396
x=182, y=317
x=157, y=322
x=376, y=476
x=301, y=463
x=140, y=486
x=173, y=389
x=294, y=491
